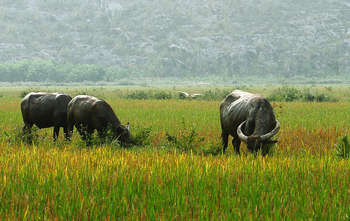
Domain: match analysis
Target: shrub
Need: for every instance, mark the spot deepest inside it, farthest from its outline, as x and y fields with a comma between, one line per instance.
x=286, y=94
x=307, y=96
x=322, y=98
x=141, y=137
x=140, y=95
x=162, y=95
x=216, y=94
x=187, y=141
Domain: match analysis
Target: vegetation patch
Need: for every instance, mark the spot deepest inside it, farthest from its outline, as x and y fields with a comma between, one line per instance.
x=288, y=94
x=141, y=137
x=342, y=148
x=189, y=141
x=149, y=94
x=186, y=141
x=62, y=180
x=17, y=136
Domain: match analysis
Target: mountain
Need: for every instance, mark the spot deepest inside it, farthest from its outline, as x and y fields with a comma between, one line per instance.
x=232, y=39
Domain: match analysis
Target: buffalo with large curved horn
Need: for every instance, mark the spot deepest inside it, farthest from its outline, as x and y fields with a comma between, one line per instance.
x=249, y=118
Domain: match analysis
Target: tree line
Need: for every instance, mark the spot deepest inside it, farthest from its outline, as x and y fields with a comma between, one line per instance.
x=48, y=71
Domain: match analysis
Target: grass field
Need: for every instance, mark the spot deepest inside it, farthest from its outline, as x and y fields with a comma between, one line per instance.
x=301, y=179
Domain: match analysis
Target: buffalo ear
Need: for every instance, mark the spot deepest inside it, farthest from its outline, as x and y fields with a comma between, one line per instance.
x=127, y=126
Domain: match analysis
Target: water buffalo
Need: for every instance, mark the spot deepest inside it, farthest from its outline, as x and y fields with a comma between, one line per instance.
x=45, y=110
x=88, y=113
x=250, y=118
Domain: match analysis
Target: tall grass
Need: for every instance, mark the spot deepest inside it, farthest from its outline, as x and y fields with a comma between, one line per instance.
x=104, y=183
x=303, y=179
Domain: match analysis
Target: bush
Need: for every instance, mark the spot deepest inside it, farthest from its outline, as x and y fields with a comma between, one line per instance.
x=139, y=95
x=307, y=96
x=145, y=95
x=162, y=95
x=216, y=94
x=141, y=137
x=288, y=94
x=187, y=141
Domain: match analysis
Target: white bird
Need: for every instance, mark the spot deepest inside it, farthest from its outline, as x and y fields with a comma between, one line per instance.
x=195, y=96
x=183, y=95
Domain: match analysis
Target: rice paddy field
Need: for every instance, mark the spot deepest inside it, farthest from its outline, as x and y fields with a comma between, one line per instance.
x=302, y=178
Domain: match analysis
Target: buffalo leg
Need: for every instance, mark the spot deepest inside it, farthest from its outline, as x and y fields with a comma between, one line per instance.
x=56, y=131
x=69, y=129
x=89, y=133
x=27, y=128
x=27, y=132
x=67, y=133
x=224, y=138
x=82, y=132
x=236, y=143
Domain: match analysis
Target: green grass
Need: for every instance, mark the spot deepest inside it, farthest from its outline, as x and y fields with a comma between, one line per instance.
x=302, y=179
x=48, y=183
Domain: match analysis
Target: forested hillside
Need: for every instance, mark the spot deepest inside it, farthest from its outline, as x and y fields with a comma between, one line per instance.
x=107, y=40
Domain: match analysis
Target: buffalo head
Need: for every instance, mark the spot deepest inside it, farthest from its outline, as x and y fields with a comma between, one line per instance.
x=123, y=134
x=256, y=142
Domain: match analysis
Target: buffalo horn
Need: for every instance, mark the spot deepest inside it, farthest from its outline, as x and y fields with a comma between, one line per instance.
x=240, y=133
x=272, y=133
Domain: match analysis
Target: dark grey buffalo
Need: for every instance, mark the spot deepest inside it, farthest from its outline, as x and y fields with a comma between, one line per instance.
x=88, y=113
x=250, y=118
x=45, y=110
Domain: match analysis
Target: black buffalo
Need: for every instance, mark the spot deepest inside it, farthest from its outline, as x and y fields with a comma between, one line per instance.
x=250, y=118
x=45, y=110
x=88, y=113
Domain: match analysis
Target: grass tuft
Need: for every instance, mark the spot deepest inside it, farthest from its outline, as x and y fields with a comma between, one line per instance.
x=343, y=148
x=141, y=137
x=17, y=136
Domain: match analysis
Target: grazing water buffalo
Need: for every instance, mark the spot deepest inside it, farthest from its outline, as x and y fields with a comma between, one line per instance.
x=88, y=113
x=45, y=110
x=250, y=118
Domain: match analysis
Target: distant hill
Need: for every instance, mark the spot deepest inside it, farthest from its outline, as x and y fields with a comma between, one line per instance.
x=231, y=39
